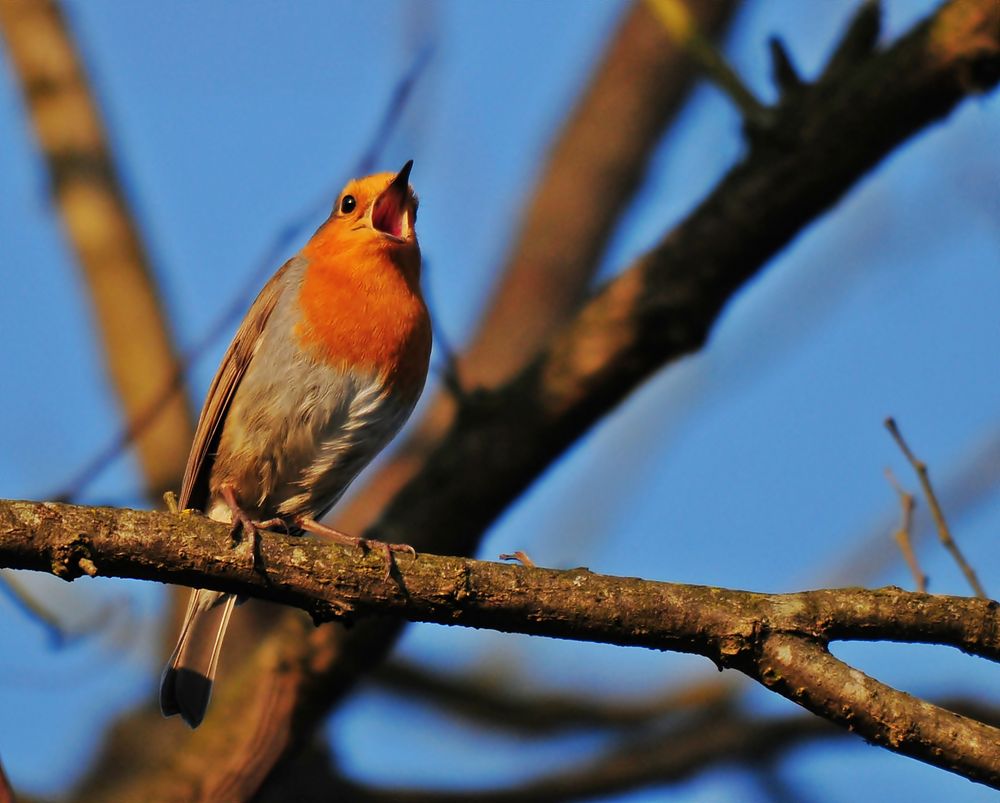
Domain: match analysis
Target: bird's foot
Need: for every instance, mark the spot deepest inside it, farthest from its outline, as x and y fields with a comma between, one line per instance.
x=245, y=530
x=338, y=537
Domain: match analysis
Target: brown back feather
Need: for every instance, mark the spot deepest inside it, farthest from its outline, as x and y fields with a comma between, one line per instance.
x=194, y=488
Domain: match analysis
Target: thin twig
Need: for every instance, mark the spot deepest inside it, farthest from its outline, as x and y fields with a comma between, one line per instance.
x=944, y=534
x=907, y=503
x=783, y=71
x=676, y=18
x=970, y=484
x=61, y=632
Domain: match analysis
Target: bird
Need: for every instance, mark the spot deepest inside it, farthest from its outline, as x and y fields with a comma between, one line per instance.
x=323, y=371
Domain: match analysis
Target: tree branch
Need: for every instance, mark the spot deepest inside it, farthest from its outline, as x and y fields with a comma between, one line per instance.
x=779, y=640
x=804, y=671
x=654, y=760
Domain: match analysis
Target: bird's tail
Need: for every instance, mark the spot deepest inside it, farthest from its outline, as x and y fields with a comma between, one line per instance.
x=186, y=685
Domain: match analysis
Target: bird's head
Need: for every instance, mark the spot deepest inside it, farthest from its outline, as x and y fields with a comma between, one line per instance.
x=371, y=225
x=382, y=207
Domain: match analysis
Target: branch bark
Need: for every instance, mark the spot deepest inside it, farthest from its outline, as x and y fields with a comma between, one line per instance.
x=779, y=640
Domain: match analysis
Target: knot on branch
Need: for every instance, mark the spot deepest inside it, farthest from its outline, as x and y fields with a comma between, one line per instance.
x=462, y=589
x=73, y=559
x=732, y=648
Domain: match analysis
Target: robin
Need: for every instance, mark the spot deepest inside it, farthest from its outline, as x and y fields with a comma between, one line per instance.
x=325, y=368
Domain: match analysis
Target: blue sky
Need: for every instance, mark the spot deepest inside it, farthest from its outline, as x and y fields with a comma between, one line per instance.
x=755, y=464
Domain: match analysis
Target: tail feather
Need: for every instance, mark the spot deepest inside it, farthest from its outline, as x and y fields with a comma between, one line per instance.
x=186, y=685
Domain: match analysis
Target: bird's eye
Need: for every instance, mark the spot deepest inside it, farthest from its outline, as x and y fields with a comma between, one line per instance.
x=348, y=204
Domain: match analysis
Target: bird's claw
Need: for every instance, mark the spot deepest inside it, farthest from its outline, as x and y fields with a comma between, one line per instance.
x=330, y=534
x=245, y=535
x=520, y=556
x=387, y=550
x=243, y=525
x=402, y=548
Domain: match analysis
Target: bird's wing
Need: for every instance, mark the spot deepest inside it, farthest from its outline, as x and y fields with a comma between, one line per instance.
x=194, y=488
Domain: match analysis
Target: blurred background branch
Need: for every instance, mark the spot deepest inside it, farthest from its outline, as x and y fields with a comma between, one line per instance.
x=492, y=703
x=658, y=759
x=102, y=231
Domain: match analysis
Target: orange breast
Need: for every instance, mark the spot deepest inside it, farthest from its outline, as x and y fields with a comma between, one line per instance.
x=362, y=309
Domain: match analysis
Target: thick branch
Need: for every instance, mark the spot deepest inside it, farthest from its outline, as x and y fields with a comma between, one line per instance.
x=779, y=640
x=605, y=147
x=329, y=583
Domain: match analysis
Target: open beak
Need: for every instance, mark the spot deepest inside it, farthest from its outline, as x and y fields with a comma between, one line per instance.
x=390, y=212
